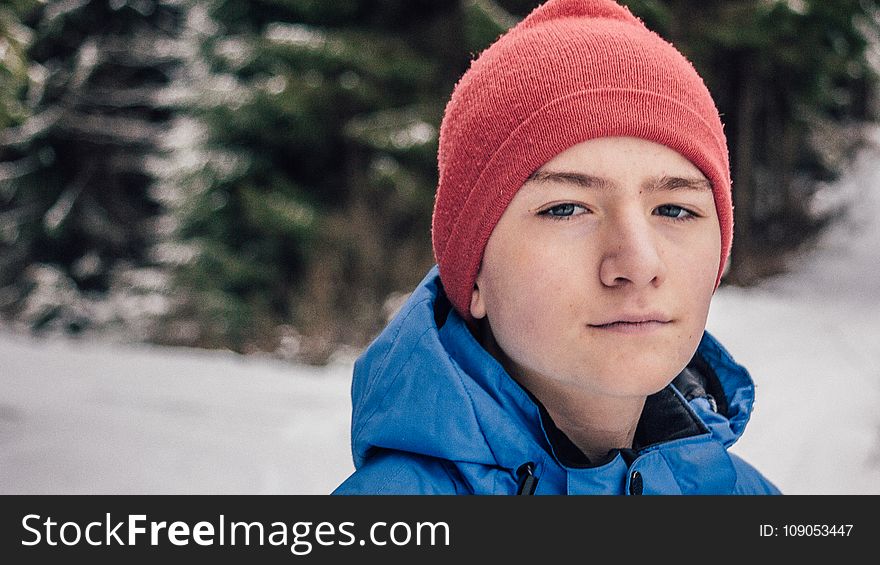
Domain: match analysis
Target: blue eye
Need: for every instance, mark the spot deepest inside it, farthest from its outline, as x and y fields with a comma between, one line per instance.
x=561, y=211
x=674, y=212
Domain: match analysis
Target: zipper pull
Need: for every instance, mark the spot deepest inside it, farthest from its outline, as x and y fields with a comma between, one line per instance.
x=527, y=480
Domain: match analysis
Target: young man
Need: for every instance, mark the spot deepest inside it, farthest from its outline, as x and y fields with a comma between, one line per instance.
x=581, y=226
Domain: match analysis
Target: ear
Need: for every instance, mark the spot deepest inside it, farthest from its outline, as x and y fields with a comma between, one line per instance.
x=478, y=305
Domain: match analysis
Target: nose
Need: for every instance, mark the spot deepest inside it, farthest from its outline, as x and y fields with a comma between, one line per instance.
x=632, y=253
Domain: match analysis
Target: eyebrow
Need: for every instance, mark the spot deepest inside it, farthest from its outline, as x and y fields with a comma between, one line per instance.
x=653, y=184
x=678, y=183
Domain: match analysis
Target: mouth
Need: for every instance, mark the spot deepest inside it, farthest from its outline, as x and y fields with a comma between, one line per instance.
x=634, y=324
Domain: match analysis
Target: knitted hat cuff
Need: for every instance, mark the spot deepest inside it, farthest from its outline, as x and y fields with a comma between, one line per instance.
x=555, y=127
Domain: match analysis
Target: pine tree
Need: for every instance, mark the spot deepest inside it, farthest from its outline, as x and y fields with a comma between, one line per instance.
x=77, y=211
x=14, y=39
x=314, y=204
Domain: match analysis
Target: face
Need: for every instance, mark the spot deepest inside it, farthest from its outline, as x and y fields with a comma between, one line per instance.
x=598, y=276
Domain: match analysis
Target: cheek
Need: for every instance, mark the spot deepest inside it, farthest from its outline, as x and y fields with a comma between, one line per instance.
x=511, y=290
x=527, y=287
x=697, y=271
x=710, y=261
x=533, y=275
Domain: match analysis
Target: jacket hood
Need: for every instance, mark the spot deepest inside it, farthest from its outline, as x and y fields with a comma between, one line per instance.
x=426, y=386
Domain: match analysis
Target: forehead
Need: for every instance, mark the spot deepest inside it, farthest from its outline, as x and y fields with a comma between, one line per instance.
x=620, y=160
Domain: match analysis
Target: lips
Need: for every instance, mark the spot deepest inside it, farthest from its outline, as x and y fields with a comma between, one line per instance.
x=647, y=317
x=634, y=323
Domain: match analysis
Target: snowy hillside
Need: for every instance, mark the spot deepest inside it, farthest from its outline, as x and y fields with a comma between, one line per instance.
x=82, y=417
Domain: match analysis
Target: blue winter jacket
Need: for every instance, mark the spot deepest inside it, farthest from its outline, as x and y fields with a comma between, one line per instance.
x=434, y=413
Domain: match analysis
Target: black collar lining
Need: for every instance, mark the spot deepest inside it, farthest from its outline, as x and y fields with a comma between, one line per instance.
x=665, y=417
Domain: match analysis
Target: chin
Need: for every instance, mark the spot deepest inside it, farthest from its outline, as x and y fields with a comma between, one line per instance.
x=637, y=379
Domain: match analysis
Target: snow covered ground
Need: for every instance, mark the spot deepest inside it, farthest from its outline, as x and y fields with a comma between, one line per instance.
x=87, y=418
x=811, y=340
x=84, y=418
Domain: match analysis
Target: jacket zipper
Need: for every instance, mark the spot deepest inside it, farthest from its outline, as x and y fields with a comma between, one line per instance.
x=527, y=481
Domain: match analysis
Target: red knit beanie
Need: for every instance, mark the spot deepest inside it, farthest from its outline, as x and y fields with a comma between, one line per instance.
x=571, y=71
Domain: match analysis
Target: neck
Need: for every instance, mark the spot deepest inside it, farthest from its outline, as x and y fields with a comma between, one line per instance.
x=596, y=424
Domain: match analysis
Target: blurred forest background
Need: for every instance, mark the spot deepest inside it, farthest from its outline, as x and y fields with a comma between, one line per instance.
x=259, y=175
